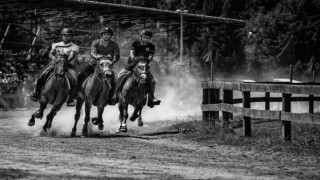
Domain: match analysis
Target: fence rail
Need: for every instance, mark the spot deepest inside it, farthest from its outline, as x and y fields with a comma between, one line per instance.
x=212, y=104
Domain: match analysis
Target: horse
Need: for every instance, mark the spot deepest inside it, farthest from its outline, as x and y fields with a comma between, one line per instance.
x=134, y=93
x=55, y=91
x=94, y=90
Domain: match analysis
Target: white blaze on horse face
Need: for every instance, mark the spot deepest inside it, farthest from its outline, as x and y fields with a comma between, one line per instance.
x=105, y=67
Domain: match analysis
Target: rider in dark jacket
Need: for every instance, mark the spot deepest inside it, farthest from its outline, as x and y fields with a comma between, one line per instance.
x=142, y=48
x=64, y=48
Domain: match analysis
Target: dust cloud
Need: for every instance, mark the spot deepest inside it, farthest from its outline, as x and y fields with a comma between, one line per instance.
x=180, y=96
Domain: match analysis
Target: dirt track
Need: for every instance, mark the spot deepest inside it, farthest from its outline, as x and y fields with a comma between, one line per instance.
x=139, y=154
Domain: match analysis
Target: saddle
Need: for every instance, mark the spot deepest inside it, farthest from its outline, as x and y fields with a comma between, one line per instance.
x=123, y=80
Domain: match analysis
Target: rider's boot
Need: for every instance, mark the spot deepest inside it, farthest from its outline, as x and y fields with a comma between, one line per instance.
x=34, y=96
x=73, y=92
x=152, y=101
x=113, y=94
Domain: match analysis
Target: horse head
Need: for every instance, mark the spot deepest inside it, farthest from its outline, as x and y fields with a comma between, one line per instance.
x=60, y=66
x=104, y=68
x=141, y=70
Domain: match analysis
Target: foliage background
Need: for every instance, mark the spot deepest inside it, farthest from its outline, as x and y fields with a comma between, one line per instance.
x=240, y=51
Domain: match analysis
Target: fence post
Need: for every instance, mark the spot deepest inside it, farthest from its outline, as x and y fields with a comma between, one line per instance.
x=267, y=102
x=286, y=125
x=227, y=99
x=214, y=98
x=311, y=103
x=205, y=114
x=246, y=120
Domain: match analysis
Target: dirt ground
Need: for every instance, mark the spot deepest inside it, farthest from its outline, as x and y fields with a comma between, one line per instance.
x=149, y=152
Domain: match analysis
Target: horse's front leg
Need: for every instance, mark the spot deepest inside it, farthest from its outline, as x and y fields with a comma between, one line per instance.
x=140, y=122
x=100, y=120
x=37, y=114
x=135, y=115
x=123, y=125
x=77, y=116
x=55, y=108
x=88, y=105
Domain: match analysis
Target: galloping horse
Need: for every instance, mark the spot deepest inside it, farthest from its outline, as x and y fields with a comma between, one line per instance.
x=55, y=92
x=133, y=93
x=94, y=91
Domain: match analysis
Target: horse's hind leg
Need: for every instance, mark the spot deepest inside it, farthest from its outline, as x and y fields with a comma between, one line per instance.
x=37, y=114
x=77, y=116
x=87, y=118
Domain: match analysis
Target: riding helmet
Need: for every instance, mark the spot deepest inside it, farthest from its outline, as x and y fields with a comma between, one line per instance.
x=66, y=31
x=146, y=33
x=106, y=30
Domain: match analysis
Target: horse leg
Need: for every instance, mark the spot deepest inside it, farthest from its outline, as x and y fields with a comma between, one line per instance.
x=120, y=107
x=55, y=108
x=135, y=115
x=87, y=118
x=140, y=122
x=37, y=114
x=100, y=112
x=123, y=125
x=77, y=116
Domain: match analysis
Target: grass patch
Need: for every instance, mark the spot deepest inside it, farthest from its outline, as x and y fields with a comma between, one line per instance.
x=265, y=136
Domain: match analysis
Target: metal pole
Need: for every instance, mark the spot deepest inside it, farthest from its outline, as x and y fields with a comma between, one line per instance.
x=5, y=34
x=181, y=37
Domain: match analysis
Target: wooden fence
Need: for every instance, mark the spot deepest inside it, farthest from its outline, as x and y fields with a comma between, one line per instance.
x=212, y=103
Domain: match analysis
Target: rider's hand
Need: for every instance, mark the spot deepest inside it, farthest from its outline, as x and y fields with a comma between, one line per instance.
x=99, y=56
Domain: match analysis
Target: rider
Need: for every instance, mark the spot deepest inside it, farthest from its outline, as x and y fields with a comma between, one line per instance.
x=104, y=47
x=142, y=48
x=65, y=48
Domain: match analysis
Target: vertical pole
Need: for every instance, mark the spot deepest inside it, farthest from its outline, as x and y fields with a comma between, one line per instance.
x=291, y=73
x=211, y=63
x=181, y=38
x=267, y=101
x=246, y=120
x=286, y=125
x=311, y=97
x=168, y=26
x=205, y=116
x=227, y=99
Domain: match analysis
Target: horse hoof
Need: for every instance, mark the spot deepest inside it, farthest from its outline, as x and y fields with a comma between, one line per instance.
x=95, y=121
x=84, y=134
x=140, y=123
x=123, y=129
x=73, y=134
x=31, y=123
x=101, y=126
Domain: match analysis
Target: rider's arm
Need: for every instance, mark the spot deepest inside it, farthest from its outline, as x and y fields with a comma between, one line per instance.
x=52, y=54
x=73, y=53
x=94, y=46
x=151, y=52
x=116, y=54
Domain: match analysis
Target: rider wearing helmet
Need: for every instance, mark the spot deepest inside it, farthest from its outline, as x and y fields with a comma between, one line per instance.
x=104, y=47
x=142, y=48
x=66, y=49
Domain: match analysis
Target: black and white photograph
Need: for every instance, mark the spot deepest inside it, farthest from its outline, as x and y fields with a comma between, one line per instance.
x=160, y=89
